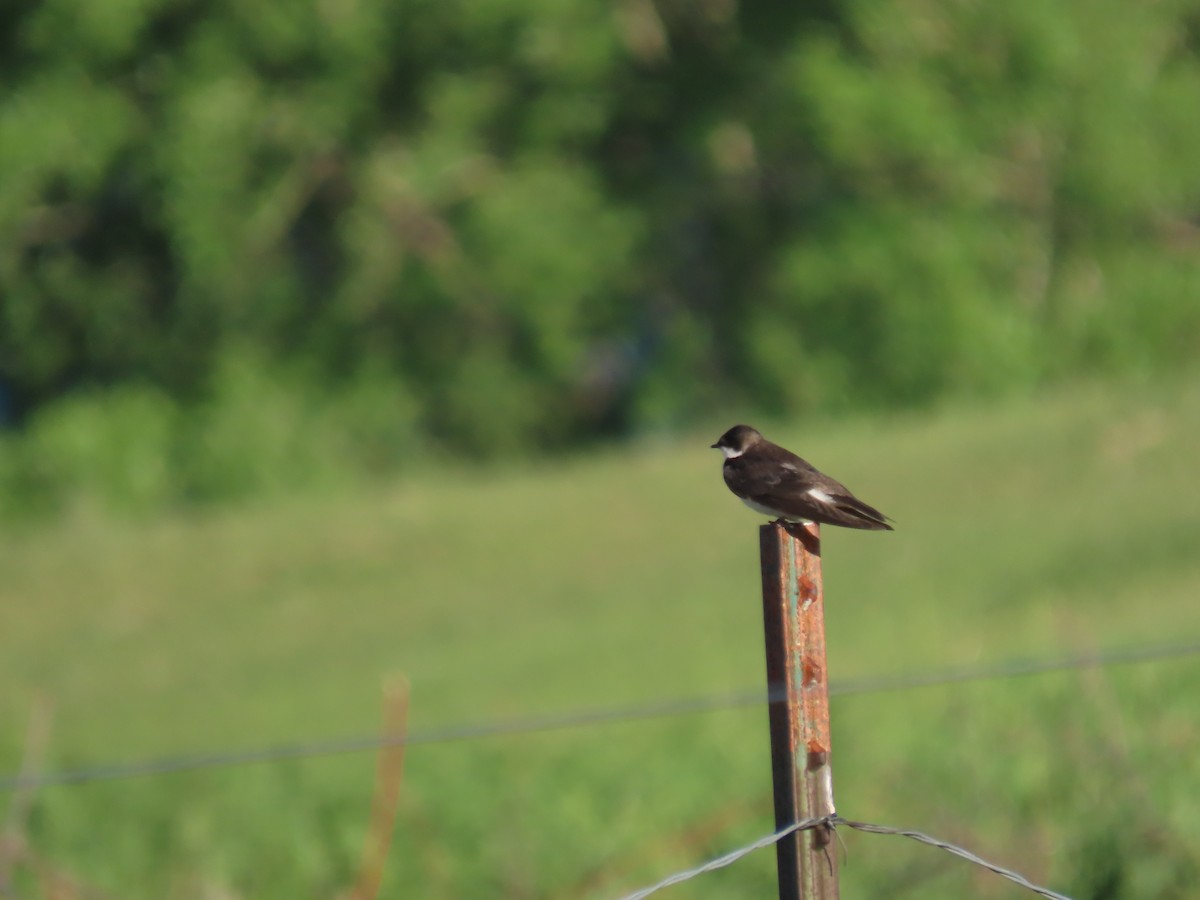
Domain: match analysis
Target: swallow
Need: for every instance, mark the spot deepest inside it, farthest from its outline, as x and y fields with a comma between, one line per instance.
x=776, y=482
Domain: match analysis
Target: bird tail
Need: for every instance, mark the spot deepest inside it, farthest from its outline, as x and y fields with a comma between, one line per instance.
x=862, y=515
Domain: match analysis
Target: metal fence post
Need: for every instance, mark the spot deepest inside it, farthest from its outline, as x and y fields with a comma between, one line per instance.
x=797, y=679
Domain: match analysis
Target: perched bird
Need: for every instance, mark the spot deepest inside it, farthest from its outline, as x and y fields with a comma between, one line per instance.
x=776, y=482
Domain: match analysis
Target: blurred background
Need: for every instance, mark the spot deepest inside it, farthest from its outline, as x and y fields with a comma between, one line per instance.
x=347, y=339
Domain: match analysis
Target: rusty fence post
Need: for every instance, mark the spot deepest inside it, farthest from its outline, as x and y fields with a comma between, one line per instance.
x=798, y=685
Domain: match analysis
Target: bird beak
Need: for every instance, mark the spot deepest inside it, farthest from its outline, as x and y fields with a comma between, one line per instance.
x=715, y=446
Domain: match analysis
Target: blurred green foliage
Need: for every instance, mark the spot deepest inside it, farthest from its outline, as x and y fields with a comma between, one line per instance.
x=506, y=227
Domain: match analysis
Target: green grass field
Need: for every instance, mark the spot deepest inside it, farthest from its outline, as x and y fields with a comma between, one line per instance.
x=1065, y=523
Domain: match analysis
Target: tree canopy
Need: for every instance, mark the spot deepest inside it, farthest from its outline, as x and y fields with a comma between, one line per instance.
x=532, y=223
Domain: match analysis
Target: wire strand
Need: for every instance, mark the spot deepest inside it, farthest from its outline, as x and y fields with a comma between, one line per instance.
x=961, y=852
x=734, y=855
x=1016, y=668
x=729, y=858
x=582, y=718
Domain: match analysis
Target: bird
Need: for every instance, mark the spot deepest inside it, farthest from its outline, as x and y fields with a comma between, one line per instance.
x=776, y=482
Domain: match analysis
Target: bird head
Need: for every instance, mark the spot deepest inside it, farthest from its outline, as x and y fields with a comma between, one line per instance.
x=737, y=440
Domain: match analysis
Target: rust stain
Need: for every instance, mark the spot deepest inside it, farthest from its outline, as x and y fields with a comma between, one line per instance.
x=812, y=671
x=817, y=743
x=808, y=589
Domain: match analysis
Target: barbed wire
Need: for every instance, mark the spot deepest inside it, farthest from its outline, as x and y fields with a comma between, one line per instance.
x=1016, y=668
x=961, y=852
x=582, y=718
x=833, y=821
x=730, y=858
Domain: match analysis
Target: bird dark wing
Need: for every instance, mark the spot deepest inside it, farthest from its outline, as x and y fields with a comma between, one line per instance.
x=846, y=509
x=800, y=491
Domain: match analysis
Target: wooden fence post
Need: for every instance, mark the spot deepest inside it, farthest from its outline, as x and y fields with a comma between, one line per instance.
x=797, y=679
